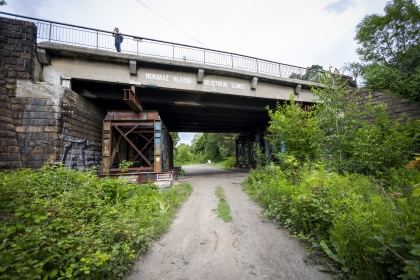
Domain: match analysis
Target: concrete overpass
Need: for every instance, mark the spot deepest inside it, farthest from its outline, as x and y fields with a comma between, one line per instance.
x=189, y=96
x=66, y=87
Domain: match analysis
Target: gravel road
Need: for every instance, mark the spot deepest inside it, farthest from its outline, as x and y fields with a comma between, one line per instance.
x=199, y=245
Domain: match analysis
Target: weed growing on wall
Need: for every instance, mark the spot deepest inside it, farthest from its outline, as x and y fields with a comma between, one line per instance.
x=59, y=224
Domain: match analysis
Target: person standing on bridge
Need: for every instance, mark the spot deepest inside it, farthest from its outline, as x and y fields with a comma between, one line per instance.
x=118, y=39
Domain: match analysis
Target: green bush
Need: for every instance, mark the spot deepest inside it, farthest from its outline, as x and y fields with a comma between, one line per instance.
x=59, y=224
x=228, y=163
x=370, y=229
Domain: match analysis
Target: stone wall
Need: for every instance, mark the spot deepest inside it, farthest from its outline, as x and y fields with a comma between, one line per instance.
x=395, y=106
x=17, y=61
x=56, y=125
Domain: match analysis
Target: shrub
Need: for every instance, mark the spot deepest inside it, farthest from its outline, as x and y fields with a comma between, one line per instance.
x=59, y=223
x=370, y=229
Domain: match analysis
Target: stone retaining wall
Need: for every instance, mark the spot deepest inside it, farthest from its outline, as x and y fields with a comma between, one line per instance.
x=17, y=61
x=395, y=106
x=56, y=125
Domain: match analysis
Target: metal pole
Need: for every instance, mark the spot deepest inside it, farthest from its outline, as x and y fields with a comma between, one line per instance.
x=49, y=36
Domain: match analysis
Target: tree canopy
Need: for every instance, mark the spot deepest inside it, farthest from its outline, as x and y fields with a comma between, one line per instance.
x=390, y=46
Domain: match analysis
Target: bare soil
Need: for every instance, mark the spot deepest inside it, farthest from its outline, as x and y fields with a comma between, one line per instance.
x=199, y=245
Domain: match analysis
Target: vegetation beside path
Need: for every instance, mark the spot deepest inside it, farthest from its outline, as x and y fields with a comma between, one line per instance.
x=63, y=224
x=347, y=183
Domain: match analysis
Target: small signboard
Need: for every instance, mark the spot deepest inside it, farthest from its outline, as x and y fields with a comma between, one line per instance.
x=164, y=176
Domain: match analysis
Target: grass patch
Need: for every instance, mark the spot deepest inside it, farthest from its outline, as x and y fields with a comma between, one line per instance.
x=58, y=223
x=223, y=208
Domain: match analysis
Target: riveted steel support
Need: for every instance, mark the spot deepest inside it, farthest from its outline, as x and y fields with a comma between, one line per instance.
x=106, y=147
x=158, y=146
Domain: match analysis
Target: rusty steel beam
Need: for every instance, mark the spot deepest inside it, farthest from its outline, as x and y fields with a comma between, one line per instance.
x=132, y=100
x=130, y=116
x=132, y=145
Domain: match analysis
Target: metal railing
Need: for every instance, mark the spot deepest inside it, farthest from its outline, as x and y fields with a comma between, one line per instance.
x=100, y=39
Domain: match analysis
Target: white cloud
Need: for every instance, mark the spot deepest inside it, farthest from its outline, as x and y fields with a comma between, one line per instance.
x=340, y=6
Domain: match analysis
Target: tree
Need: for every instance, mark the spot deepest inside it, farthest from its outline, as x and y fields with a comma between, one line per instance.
x=214, y=146
x=390, y=45
x=3, y=2
x=175, y=138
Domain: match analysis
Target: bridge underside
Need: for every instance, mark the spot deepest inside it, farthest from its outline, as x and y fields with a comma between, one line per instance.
x=183, y=111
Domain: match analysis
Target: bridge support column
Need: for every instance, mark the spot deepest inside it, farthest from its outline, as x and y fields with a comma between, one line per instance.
x=257, y=142
x=243, y=153
x=267, y=148
x=106, y=147
x=249, y=151
x=158, y=147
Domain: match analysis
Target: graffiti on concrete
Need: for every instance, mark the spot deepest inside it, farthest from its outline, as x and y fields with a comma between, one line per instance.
x=80, y=154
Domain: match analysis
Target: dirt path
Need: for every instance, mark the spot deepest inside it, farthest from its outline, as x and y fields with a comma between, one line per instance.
x=201, y=246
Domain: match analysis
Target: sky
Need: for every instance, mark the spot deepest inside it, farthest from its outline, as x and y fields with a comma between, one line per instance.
x=295, y=32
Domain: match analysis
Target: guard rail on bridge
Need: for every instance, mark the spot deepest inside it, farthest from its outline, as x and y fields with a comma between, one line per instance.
x=100, y=39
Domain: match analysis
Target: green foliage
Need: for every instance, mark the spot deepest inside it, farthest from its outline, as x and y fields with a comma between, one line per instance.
x=393, y=80
x=175, y=138
x=63, y=224
x=183, y=155
x=223, y=208
x=214, y=146
x=295, y=128
x=351, y=218
x=389, y=44
x=124, y=165
x=360, y=138
x=3, y=2
x=341, y=183
x=228, y=163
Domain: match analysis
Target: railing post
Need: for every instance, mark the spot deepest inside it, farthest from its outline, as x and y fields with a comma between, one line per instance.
x=137, y=45
x=49, y=36
x=204, y=61
x=97, y=39
x=279, y=70
x=231, y=57
x=256, y=61
x=173, y=51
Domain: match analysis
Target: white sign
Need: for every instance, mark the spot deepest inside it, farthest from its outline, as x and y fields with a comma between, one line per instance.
x=164, y=176
x=178, y=79
x=159, y=77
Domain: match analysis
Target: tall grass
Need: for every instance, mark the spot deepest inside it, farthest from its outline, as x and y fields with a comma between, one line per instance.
x=372, y=231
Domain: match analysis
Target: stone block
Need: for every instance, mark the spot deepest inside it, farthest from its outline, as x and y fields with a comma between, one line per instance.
x=10, y=60
x=27, y=43
x=4, y=53
x=8, y=142
x=25, y=55
x=24, y=75
x=20, y=128
x=34, y=129
x=12, y=74
x=43, y=122
x=18, y=35
x=4, y=119
x=11, y=41
x=13, y=149
x=6, y=113
x=7, y=33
